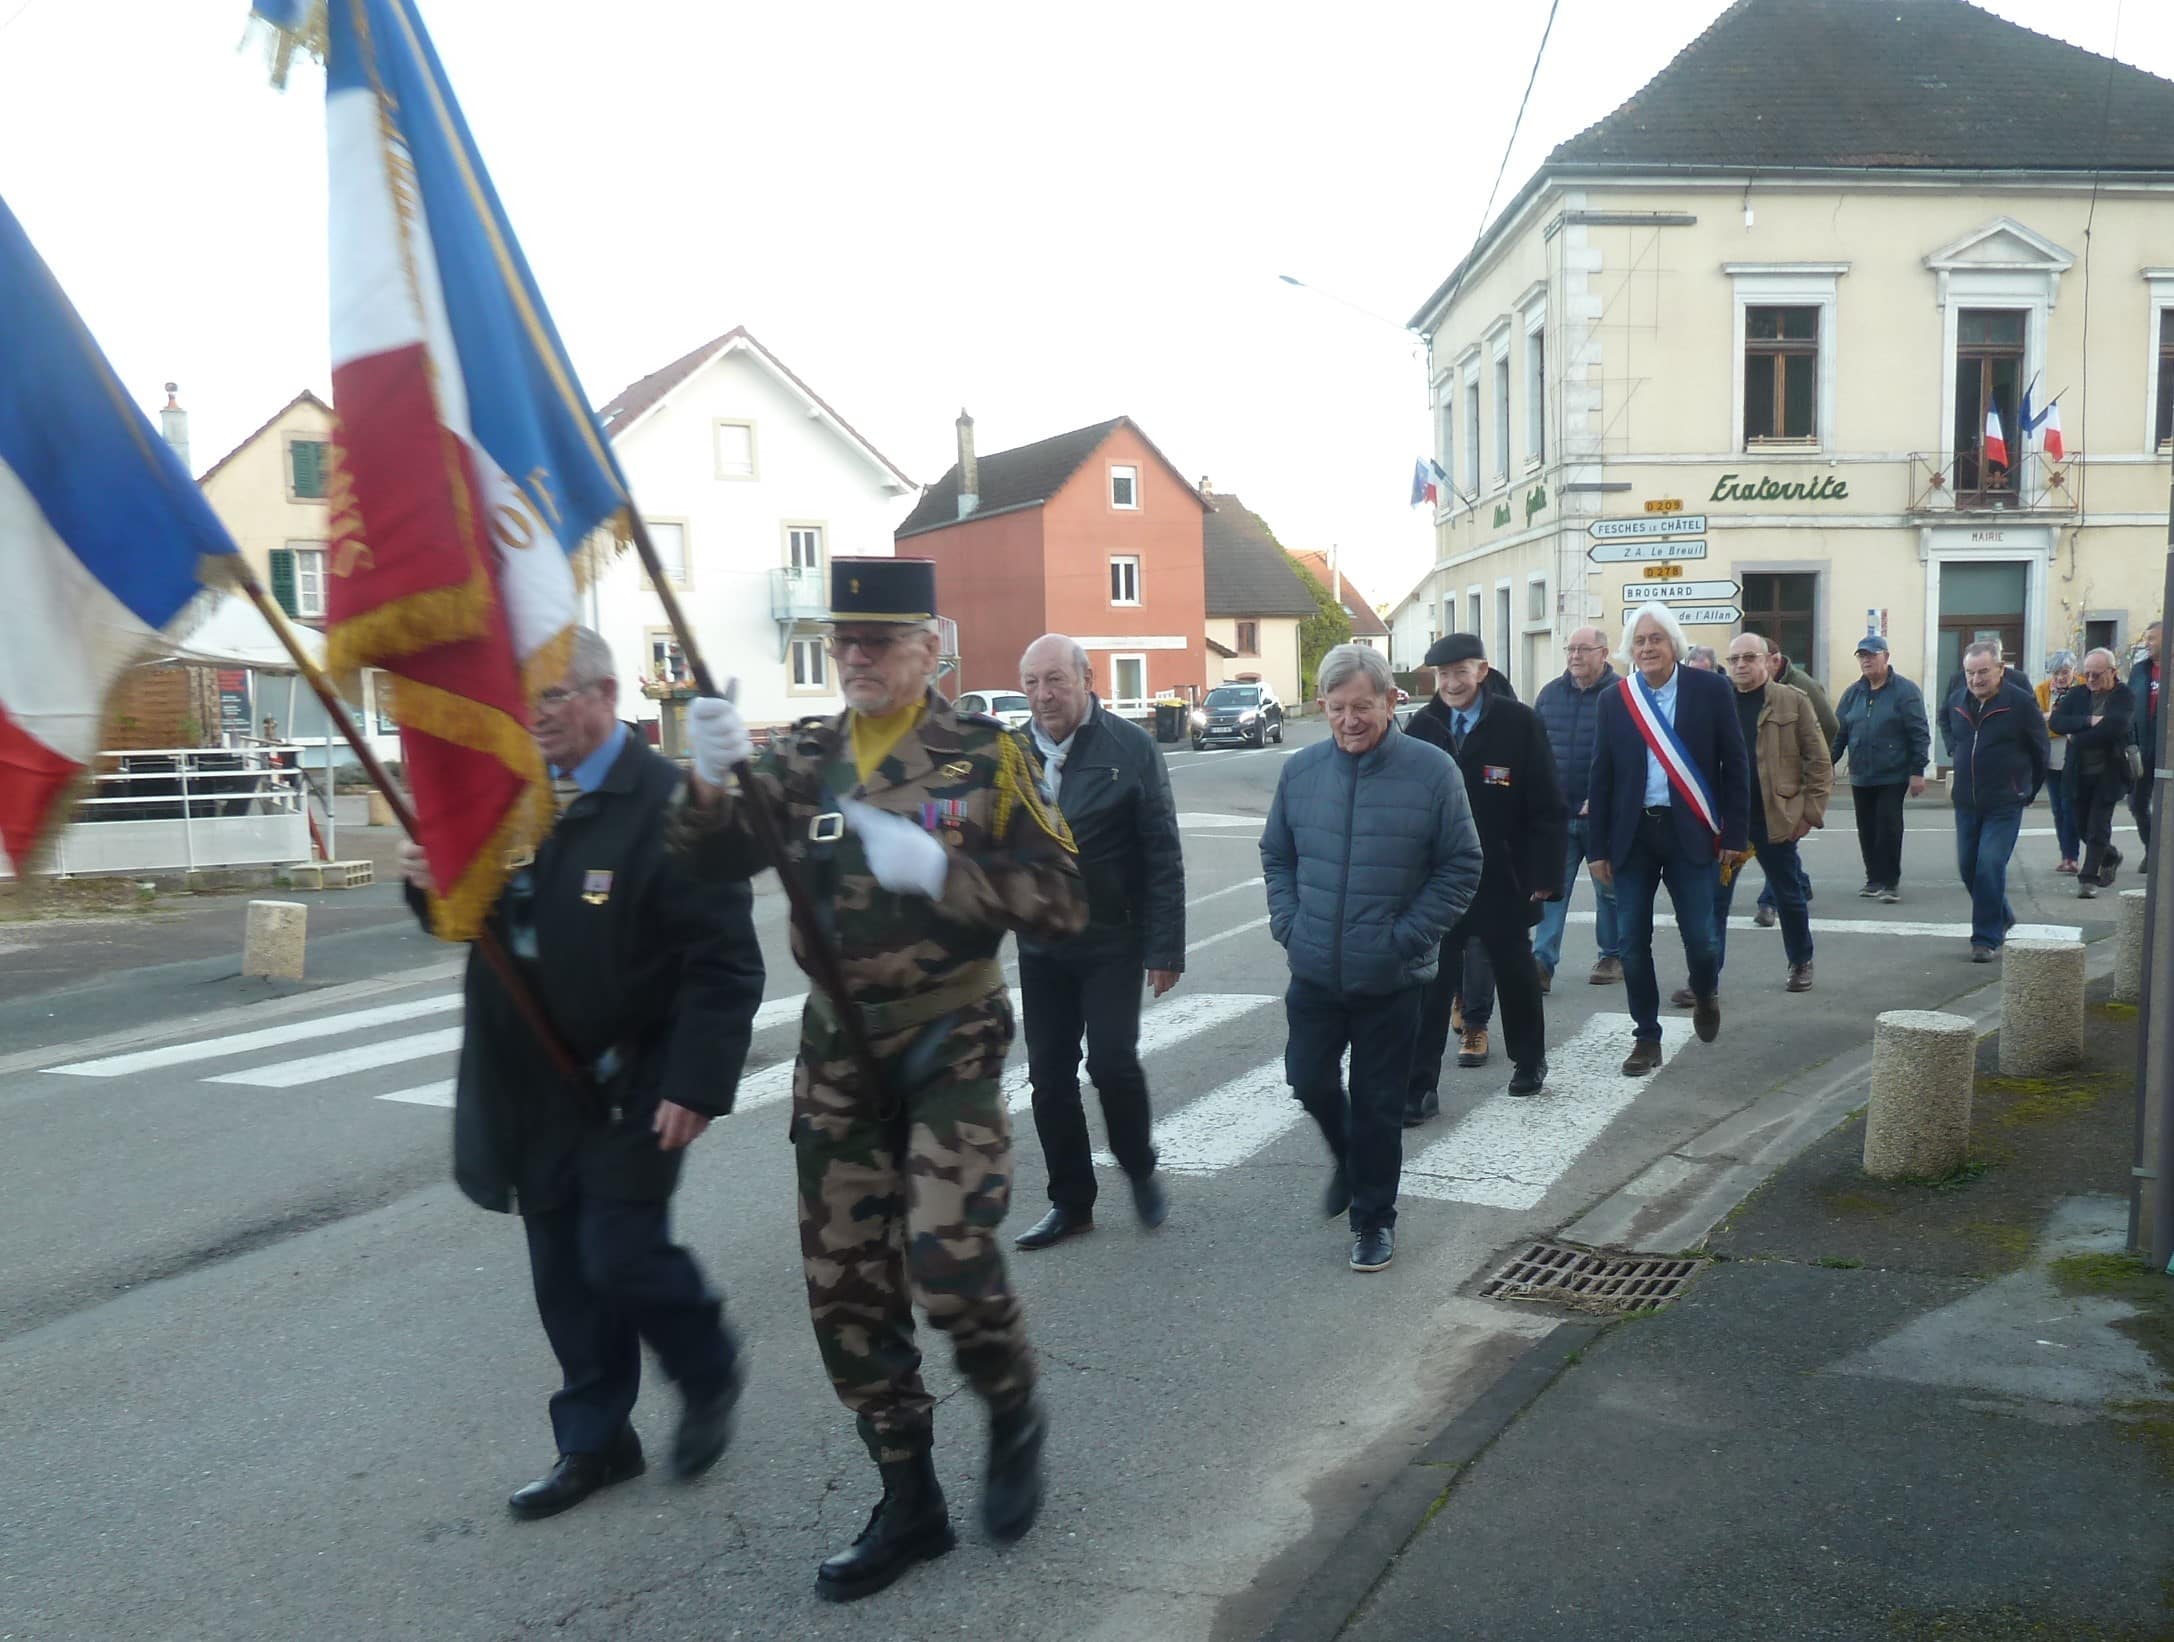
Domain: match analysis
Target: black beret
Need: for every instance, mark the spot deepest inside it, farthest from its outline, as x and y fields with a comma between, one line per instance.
x=1456, y=647
x=901, y=590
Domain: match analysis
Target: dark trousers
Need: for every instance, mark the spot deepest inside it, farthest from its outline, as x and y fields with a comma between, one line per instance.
x=1658, y=857
x=1365, y=1131
x=1063, y=997
x=1474, y=983
x=2064, y=816
x=2096, y=801
x=1780, y=864
x=2140, y=799
x=608, y=1276
x=1804, y=887
x=1879, y=830
x=1508, y=953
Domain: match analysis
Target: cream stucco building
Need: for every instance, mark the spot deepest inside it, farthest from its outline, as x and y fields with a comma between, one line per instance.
x=1749, y=339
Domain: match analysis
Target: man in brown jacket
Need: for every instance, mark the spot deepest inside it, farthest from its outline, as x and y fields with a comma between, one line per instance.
x=1792, y=777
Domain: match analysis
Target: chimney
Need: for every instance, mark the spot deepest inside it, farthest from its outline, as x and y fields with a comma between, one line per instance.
x=1206, y=490
x=174, y=427
x=969, y=469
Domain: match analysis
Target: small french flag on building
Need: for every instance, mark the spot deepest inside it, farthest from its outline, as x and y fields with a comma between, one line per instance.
x=1996, y=443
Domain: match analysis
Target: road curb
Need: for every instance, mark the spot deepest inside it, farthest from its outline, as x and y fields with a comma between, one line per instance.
x=1338, y=1587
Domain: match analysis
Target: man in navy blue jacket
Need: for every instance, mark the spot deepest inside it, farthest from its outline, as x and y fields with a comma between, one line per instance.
x=1669, y=793
x=2001, y=753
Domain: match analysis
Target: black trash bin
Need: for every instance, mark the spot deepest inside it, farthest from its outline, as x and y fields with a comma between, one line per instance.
x=1169, y=721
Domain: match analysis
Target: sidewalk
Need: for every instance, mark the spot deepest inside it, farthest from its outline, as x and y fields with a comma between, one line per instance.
x=1888, y=1412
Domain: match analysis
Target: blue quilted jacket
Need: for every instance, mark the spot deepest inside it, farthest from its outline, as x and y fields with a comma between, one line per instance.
x=1369, y=860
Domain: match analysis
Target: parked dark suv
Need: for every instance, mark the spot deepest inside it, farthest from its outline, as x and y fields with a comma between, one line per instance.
x=1238, y=715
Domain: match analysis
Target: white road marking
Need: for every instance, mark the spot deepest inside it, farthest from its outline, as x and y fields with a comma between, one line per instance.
x=1507, y=1152
x=270, y=1037
x=1225, y=1126
x=1227, y=889
x=429, y=1094
x=1882, y=926
x=1162, y=1024
x=780, y=1010
x=1206, y=820
x=1220, y=936
x=317, y=1068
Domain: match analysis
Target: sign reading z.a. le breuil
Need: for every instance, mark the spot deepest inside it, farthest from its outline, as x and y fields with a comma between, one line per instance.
x=1731, y=487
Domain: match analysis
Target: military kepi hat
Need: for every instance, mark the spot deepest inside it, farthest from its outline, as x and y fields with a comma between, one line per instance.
x=882, y=590
x=1455, y=647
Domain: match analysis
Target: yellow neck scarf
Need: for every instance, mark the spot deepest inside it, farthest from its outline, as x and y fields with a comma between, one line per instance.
x=874, y=736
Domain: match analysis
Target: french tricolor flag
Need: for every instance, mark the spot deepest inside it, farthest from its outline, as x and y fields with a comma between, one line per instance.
x=104, y=541
x=1996, y=442
x=468, y=469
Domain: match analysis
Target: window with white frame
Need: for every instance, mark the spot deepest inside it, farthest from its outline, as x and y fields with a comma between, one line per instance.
x=1445, y=429
x=1125, y=579
x=1471, y=463
x=810, y=665
x=1124, y=487
x=309, y=580
x=1501, y=645
x=1535, y=396
x=669, y=537
x=735, y=450
x=1475, y=623
x=2159, y=429
x=1502, y=417
x=1128, y=678
x=1785, y=359
x=1535, y=599
x=666, y=664
x=804, y=547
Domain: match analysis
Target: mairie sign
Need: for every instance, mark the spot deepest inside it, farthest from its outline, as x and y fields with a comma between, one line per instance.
x=1648, y=552
x=1674, y=592
x=1647, y=529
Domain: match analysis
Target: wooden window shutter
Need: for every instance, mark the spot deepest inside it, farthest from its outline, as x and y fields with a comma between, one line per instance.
x=282, y=569
x=309, y=467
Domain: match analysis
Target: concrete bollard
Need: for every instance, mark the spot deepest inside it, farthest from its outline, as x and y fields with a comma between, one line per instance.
x=2129, y=949
x=2041, y=1007
x=1924, y=1064
x=381, y=811
x=275, y=938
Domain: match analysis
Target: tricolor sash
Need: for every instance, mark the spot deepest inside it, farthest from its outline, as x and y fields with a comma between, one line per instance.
x=1664, y=744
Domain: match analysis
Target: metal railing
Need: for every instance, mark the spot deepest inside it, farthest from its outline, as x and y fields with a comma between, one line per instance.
x=169, y=809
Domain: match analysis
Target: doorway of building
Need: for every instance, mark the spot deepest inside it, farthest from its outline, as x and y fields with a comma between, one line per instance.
x=1980, y=601
x=1781, y=608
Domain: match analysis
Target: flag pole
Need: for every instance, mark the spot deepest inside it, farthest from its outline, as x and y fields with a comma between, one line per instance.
x=769, y=832
x=525, y=1001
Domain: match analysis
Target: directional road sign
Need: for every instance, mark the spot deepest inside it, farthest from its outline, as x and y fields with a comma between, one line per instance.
x=1707, y=615
x=1672, y=592
x=1644, y=552
x=1653, y=527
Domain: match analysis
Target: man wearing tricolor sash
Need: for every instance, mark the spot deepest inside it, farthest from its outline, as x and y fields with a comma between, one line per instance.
x=1669, y=794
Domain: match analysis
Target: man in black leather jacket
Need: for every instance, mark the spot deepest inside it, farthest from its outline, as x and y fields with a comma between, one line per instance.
x=1108, y=778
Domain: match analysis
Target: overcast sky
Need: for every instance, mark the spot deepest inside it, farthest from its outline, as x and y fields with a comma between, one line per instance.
x=1048, y=215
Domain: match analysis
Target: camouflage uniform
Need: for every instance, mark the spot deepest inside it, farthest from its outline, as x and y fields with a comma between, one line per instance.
x=904, y=1205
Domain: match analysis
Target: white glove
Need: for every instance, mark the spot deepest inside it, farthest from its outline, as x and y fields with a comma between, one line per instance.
x=902, y=855
x=717, y=736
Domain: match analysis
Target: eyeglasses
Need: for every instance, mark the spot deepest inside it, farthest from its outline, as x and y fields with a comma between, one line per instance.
x=1585, y=649
x=560, y=694
x=875, y=646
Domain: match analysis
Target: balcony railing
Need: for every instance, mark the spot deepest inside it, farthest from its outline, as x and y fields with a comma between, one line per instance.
x=799, y=595
x=1958, y=482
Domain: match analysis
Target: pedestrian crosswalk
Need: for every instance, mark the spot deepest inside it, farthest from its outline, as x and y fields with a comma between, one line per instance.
x=1503, y=1153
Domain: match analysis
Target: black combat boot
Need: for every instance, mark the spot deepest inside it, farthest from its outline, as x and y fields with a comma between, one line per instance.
x=1012, y=1492
x=909, y=1524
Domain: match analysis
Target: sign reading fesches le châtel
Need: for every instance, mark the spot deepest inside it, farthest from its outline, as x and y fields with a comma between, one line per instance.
x=1647, y=529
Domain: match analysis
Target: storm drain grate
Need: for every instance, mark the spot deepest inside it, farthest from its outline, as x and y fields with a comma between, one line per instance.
x=1586, y=1281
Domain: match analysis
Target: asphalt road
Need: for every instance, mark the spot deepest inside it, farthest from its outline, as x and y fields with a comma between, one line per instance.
x=265, y=1374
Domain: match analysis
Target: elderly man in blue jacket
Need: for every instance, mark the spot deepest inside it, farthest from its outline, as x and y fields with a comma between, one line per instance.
x=1370, y=855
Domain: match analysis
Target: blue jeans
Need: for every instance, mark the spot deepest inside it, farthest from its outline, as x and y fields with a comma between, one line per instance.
x=1983, y=844
x=1804, y=886
x=2065, y=828
x=1657, y=858
x=1364, y=1131
x=1781, y=863
x=1547, y=942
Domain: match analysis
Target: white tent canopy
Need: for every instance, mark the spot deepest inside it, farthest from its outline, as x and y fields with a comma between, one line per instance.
x=234, y=635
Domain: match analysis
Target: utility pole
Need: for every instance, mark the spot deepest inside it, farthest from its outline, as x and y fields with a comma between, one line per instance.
x=2151, y=1207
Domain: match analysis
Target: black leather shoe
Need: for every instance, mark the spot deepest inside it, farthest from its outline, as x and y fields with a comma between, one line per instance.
x=1337, y=1198
x=1054, y=1227
x=1150, y=1201
x=1706, y=1017
x=1526, y=1080
x=577, y=1476
x=1419, y=1108
x=1373, y=1249
x=705, y=1426
x=909, y=1524
x=1011, y=1495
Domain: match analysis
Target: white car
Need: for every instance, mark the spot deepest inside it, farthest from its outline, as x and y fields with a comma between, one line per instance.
x=1008, y=707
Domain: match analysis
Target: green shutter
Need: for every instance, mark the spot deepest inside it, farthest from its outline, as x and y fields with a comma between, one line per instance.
x=282, y=567
x=309, y=468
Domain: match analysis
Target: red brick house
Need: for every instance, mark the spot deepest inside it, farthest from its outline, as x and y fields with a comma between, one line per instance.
x=1092, y=533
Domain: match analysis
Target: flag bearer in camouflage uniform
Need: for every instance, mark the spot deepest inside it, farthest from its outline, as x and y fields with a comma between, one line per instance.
x=922, y=837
